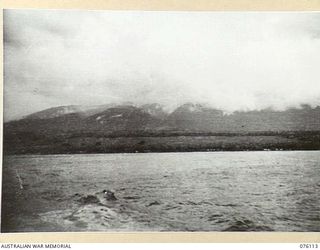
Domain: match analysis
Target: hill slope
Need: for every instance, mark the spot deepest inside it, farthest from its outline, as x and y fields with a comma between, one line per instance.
x=191, y=127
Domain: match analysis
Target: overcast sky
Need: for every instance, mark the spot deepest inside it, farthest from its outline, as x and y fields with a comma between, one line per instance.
x=229, y=60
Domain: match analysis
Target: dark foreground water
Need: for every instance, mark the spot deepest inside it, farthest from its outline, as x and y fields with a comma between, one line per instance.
x=214, y=191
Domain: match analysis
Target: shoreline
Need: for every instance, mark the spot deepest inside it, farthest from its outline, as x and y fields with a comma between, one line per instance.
x=95, y=143
x=164, y=152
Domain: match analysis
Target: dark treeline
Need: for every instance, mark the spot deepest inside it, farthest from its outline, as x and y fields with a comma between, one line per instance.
x=123, y=142
x=144, y=133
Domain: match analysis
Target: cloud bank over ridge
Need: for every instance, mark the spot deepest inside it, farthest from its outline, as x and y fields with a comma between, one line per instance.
x=228, y=60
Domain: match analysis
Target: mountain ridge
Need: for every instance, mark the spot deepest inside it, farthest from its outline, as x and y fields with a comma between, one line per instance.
x=189, y=116
x=190, y=127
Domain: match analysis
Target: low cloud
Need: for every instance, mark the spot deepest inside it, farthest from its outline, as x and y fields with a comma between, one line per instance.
x=229, y=60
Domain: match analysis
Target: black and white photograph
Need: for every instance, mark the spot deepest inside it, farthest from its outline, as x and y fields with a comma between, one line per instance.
x=160, y=121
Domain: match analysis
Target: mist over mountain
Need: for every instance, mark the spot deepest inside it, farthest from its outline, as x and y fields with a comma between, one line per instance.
x=188, y=117
x=190, y=127
x=231, y=61
x=160, y=81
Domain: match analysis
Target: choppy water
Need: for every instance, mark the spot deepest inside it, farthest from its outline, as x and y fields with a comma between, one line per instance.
x=213, y=191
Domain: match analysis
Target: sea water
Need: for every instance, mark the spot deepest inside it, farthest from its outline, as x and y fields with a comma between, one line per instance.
x=194, y=191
